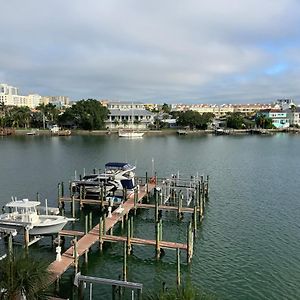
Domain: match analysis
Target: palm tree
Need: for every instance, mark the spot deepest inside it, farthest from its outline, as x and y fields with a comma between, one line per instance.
x=23, y=276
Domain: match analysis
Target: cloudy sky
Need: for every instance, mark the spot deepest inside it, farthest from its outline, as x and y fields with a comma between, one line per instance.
x=214, y=51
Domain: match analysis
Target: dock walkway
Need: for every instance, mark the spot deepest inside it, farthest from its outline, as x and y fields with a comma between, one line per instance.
x=57, y=268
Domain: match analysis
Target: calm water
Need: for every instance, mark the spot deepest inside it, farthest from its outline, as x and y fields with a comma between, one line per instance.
x=248, y=246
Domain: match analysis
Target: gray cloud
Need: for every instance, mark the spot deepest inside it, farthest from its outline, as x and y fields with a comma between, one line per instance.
x=174, y=51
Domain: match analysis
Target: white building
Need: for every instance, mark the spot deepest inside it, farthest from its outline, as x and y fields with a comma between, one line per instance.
x=129, y=115
x=9, y=95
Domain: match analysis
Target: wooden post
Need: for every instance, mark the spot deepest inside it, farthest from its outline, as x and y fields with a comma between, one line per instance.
x=147, y=188
x=195, y=220
x=104, y=225
x=136, y=195
x=62, y=189
x=129, y=236
x=80, y=196
x=131, y=226
x=86, y=224
x=179, y=205
x=125, y=262
x=10, y=247
x=26, y=239
x=156, y=206
x=189, y=243
x=160, y=229
x=75, y=254
x=157, y=233
x=73, y=206
x=207, y=188
x=199, y=200
x=86, y=256
x=101, y=234
x=101, y=193
x=90, y=220
x=178, y=279
x=58, y=194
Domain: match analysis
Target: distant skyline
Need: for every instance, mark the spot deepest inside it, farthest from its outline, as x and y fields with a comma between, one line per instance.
x=217, y=51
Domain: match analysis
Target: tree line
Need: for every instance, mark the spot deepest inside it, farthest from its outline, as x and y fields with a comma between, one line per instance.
x=85, y=114
x=91, y=115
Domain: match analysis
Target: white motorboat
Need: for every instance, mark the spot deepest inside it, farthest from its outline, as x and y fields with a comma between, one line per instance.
x=23, y=213
x=130, y=134
x=116, y=176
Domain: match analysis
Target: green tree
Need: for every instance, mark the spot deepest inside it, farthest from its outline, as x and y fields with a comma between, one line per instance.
x=234, y=120
x=263, y=121
x=19, y=117
x=193, y=119
x=166, y=108
x=85, y=114
x=23, y=276
x=49, y=113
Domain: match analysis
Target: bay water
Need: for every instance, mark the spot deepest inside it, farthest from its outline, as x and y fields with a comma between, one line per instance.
x=248, y=246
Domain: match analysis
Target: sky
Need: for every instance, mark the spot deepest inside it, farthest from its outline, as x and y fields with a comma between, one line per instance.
x=167, y=51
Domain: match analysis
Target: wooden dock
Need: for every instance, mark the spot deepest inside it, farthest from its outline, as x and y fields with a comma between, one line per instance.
x=181, y=195
x=57, y=268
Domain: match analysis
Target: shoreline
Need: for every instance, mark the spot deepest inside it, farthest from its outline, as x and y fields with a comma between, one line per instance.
x=22, y=132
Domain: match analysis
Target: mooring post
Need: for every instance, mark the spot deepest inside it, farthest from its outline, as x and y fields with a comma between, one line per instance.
x=179, y=205
x=178, y=278
x=156, y=206
x=86, y=256
x=86, y=224
x=157, y=233
x=10, y=246
x=147, y=188
x=101, y=195
x=90, y=220
x=199, y=200
x=26, y=238
x=160, y=229
x=101, y=234
x=125, y=262
x=58, y=195
x=73, y=206
x=75, y=255
x=80, y=196
x=131, y=226
x=136, y=195
x=113, y=292
x=195, y=220
x=189, y=243
x=128, y=236
x=62, y=189
x=207, y=187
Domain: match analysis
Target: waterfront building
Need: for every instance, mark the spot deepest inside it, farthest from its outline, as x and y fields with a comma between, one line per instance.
x=129, y=115
x=280, y=118
x=294, y=115
x=221, y=110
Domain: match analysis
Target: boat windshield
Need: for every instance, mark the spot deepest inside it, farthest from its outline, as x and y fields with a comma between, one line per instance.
x=118, y=166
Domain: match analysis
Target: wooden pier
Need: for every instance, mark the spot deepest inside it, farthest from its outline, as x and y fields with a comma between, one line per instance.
x=173, y=194
x=82, y=246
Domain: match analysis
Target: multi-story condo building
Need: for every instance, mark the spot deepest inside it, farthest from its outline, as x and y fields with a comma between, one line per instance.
x=9, y=95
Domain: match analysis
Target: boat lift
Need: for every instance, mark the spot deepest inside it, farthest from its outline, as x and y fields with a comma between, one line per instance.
x=80, y=281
